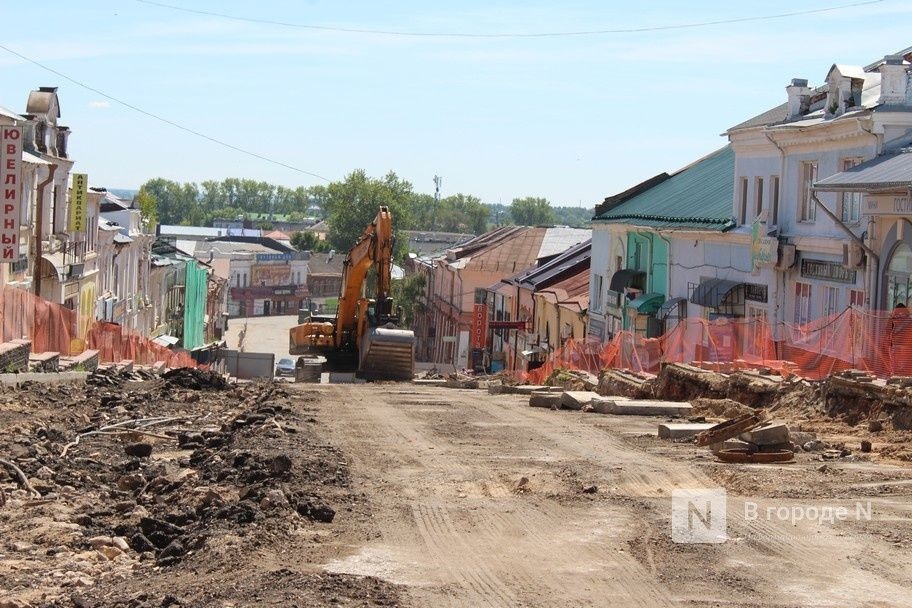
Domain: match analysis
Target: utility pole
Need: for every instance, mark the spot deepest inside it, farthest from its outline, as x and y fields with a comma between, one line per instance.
x=438, y=181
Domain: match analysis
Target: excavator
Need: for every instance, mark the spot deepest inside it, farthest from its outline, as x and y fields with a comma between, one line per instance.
x=364, y=335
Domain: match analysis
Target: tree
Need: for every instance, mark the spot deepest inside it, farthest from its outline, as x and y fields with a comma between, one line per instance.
x=408, y=294
x=531, y=211
x=308, y=241
x=147, y=205
x=353, y=203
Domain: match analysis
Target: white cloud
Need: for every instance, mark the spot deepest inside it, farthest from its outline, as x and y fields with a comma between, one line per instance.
x=100, y=104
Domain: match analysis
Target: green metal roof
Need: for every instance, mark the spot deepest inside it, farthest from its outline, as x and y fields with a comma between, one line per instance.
x=648, y=303
x=698, y=197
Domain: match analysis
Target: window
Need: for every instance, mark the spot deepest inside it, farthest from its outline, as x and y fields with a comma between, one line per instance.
x=742, y=218
x=830, y=301
x=856, y=298
x=802, y=303
x=807, y=209
x=597, y=293
x=774, y=200
x=851, y=201
x=758, y=196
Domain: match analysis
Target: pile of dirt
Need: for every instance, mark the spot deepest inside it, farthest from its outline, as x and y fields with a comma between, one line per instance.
x=179, y=491
x=719, y=408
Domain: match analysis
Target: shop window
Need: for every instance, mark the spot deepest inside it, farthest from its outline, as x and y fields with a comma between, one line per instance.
x=899, y=277
x=856, y=298
x=597, y=293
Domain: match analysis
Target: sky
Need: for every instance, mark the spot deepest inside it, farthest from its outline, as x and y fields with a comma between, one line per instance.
x=570, y=118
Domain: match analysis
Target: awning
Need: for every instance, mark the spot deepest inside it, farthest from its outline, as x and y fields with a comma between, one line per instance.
x=669, y=307
x=647, y=304
x=166, y=340
x=55, y=260
x=711, y=292
x=532, y=351
x=624, y=278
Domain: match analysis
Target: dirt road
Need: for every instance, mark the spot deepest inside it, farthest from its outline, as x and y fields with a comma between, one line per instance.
x=478, y=500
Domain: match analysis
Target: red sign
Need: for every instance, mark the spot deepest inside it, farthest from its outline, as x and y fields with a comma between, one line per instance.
x=479, y=316
x=10, y=192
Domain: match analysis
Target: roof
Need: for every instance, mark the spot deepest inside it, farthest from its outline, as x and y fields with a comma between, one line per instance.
x=560, y=238
x=574, y=290
x=886, y=172
x=278, y=235
x=10, y=114
x=122, y=238
x=698, y=197
x=206, y=231
x=322, y=264
x=553, y=271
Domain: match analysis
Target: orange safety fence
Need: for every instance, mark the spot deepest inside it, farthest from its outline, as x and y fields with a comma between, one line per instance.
x=56, y=328
x=877, y=342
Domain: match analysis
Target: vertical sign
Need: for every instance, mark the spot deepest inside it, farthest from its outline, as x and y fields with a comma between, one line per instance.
x=10, y=168
x=77, y=219
x=479, y=316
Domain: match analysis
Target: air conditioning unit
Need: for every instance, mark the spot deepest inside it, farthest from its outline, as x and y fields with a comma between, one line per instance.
x=853, y=255
x=788, y=255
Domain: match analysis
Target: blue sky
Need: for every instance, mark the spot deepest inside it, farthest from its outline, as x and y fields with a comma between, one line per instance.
x=571, y=118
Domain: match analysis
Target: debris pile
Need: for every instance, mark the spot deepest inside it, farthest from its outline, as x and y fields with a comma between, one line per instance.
x=134, y=481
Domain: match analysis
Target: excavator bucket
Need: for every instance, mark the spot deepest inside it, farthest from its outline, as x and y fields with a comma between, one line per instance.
x=387, y=353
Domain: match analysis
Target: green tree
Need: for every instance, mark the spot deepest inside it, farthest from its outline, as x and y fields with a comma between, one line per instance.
x=147, y=206
x=531, y=211
x=308, y=241
x=408, y=293
x=351, y=204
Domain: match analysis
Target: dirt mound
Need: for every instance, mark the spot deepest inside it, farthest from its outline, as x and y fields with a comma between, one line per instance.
x=719, y=408
x=195, y=379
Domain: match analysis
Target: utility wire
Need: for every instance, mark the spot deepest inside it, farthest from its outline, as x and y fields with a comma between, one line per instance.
x=420, y=34
x=159, y=118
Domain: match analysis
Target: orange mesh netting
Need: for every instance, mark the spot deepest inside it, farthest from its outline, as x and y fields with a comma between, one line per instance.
x=55, y=328
x=877, y=342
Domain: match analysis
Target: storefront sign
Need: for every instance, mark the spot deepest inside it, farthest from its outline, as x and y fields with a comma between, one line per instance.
x=887, y=204
x=826, y=271
x=78, y=195
x=479, y=315
x=270, y=276
x=507, y=324
x=596, y=328
x=280, y=257
x=764, y=249
x=755, y=293
x=10, y=192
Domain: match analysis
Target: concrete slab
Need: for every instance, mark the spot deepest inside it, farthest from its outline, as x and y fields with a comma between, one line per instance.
x=770, y=433
x=672, y=430
x=429, y=381
x=528, y=389
x=545, y=399
x=732, y=444
x=636, y=407
x=575, y=400
x=43, y=378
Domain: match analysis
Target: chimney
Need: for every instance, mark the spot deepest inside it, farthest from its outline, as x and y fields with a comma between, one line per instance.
x=894, y=78
x=799, y=97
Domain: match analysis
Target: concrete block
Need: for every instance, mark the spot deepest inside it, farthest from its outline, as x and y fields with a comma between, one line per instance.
x=575, y=400
x=430, y=381
x=545, y=399
x=528, y=389
x=732, y=444
x=771, y=433
x=635, y=407
x=671, y=430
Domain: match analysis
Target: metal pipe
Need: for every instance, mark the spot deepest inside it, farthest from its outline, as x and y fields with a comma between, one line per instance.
x=39, y=220
x=847, y=230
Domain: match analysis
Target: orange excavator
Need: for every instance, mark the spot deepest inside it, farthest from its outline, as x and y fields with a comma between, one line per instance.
x=364, y=334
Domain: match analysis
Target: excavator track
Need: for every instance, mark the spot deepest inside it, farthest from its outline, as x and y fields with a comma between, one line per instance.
x=387, y=353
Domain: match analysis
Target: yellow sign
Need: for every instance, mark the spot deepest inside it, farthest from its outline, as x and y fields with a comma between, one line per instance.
x=78, y=196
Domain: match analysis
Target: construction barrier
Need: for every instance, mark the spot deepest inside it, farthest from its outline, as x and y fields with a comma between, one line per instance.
x=877, y=342
x=55, y=328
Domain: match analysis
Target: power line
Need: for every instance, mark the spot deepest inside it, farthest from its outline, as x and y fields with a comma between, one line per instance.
x=420, y=34
x=167, y=121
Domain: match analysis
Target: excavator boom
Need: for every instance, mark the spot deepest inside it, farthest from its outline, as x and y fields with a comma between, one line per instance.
x=364, y=333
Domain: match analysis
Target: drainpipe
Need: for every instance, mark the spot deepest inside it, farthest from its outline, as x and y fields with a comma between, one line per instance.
x=775, y=296
x=39, y=220
x=872, y=268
